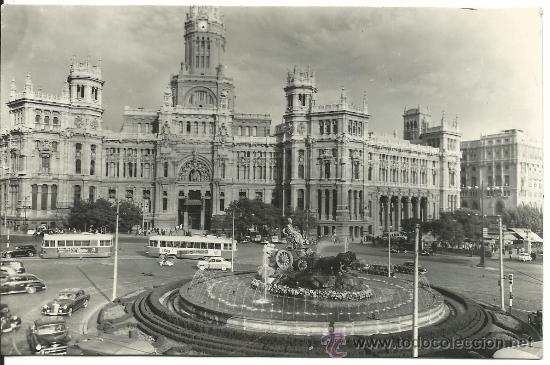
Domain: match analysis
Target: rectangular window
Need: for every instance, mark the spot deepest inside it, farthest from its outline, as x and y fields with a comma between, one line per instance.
x=164, y=200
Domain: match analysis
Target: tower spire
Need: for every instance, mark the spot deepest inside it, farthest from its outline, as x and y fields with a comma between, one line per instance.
x=365, y=103
x=343, y=97
x=13, y=89
x=28, y=83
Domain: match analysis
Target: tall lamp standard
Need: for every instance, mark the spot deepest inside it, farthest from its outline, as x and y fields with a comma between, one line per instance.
x=115, y=266
x=232, y=238
x=389, y=251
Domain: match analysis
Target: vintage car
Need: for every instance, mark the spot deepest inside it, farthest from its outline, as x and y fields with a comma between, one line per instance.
x=23, y=283
x=15, y=265
x=425, y=253
x=408, y=268
x=214, y=263
x=66, y=302
x=20, y=251
x=48, y=336
x=8, y=322
x=111, y=345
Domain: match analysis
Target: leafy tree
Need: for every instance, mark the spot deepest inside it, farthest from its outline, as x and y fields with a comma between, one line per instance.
x=84, y=215
x=470, y=221
x=447, y=228
x=254, y=214
x=524, y=216
x=102, y=213
x=129, y=216
x=303, y=220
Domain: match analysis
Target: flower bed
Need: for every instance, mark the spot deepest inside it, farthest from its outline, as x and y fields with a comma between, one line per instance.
x=330, y=294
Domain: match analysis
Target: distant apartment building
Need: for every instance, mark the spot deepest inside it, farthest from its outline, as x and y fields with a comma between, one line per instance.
x=508, y=166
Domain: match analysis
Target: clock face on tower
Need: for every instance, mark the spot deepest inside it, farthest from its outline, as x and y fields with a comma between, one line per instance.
x=203, y=25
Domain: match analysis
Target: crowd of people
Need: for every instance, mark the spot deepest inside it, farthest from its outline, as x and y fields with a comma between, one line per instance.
x=330, y=294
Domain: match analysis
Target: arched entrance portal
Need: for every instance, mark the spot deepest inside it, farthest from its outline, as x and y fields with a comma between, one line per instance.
x=194, y=209
x=194, y=197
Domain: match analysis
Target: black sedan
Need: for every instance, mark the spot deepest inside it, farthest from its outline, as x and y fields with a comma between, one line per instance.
x=66, y=302
x=20, y=251
x=48, y=336
x=24, y=283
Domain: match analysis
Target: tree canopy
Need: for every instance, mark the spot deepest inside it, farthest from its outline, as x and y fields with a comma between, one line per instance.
x=102, y=213
x=254, y=215
x=524, y=216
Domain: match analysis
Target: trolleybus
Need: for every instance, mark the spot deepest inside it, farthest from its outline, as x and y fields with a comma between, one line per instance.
x=76, y=245
x=189, y=246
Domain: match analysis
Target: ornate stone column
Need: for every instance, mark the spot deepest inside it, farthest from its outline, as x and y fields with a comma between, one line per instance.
x=398, y=221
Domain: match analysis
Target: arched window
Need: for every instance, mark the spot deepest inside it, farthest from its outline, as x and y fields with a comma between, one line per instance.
x=321, y=127
x=240, y=131
x=76, y=197
x=165, y=169
x=247, y=131
x=196, y=128
x=91, y=194
x=327, y=127
x=34, y=199
x=334, y=126
x=327, y=170
x=53, y=198
x=181, y=127
x=37, y=119
x=188, y=127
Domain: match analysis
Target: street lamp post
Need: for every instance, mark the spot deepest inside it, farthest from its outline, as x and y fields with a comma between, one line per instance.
x=415, y=294
x=232, y=238
x=115, y=267
x=389, y=252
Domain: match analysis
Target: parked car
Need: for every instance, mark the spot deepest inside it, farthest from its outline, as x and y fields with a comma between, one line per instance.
x=66, y=302
x=8, y=322
x=21, y=283
x=6, y=271
x=524, y=256
x=379, y=270
x=214, y=263
x=20, y=251
x=17, y=266
x=410, y=265
x=111, y=345
x=264, y=242
x=48, y=336
x=426, y=253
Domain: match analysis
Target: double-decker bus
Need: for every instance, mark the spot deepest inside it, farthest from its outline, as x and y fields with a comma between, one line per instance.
x=76, y=245
x=189, y=246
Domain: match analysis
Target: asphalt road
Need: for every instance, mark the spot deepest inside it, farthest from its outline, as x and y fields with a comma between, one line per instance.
x=136, y=270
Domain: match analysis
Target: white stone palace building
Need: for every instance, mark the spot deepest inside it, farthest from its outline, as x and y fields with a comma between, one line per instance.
x=188, y=159
x=507, y=166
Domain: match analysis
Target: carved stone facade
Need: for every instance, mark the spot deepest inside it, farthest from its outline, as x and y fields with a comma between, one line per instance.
x=188, y=159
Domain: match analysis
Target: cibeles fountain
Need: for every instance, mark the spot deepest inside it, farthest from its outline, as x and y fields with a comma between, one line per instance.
x=296, y=291
x=299, y=295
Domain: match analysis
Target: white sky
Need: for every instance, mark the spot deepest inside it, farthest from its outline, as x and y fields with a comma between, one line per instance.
x=484, y=65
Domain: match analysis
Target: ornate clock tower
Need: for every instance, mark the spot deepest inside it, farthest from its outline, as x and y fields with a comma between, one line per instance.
x=201, y=81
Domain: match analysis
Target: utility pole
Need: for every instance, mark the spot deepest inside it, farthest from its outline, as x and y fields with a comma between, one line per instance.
x=482, y=259
x=415, y=295
x=233, y=238
x=511, y=281
x=501, y=264
x=115, y=268
x=389, y=252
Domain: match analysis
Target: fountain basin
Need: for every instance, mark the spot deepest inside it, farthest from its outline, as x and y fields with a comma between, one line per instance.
x=230, y=300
